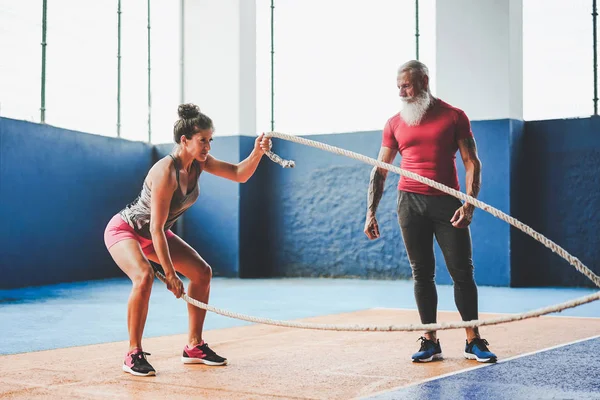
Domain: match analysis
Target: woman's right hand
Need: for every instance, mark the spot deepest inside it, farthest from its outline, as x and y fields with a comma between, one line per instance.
x=174, y=284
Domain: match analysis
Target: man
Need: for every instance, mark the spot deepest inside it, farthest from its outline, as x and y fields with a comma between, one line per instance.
x=428, y=132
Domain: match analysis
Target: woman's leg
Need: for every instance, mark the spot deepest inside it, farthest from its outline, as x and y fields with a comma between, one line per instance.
x=188, y=262
x=129, y=257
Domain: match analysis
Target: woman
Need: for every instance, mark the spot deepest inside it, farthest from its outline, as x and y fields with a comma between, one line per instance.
x=141, y=232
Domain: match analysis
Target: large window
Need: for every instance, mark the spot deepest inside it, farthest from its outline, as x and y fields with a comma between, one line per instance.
x=20, y=59
x=81, y=65
x=334, y=66
x=336, y=60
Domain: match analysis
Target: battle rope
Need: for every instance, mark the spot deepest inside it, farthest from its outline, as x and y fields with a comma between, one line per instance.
x=390, y=328
x=574, y=261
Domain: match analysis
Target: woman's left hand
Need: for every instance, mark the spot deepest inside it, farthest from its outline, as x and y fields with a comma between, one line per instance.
x=262, y=144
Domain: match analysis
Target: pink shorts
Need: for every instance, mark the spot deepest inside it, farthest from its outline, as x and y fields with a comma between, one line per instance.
x=117, y=230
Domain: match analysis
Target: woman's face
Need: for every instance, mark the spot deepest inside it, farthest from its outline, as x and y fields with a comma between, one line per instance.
x=199, y=145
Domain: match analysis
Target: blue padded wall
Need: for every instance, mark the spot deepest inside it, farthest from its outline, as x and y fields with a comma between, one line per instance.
x=255, y=214
x=559, y=196
x=58, y=190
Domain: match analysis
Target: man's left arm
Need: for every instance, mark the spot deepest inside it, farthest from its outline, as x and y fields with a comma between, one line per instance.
x=468, y=151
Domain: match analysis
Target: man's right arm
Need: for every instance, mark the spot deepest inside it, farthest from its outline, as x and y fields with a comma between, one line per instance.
x=376, y=186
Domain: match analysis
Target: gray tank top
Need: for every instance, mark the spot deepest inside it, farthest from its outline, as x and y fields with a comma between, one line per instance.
x=137, y=213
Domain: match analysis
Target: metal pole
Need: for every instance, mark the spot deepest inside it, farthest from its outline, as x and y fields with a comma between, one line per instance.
x=181, y=222
x=595, y=45
x=182, y=50
x=119, y=70
x=149, y=86
x=272, y=70
x=417, y=27
x=43, y=100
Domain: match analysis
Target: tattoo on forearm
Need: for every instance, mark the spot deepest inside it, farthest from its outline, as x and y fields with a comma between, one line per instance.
x=476, y=184
x=473, y=174
x=376, y=186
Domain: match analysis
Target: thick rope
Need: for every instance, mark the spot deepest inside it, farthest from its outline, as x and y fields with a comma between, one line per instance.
x=574, y=261
x=579, y=266
x=391, y=328
x=278, y=160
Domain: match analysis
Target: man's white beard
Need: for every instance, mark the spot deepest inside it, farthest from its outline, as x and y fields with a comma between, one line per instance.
x=412, y=113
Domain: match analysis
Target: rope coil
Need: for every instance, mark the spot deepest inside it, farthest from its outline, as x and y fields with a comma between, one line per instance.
x=574, y=261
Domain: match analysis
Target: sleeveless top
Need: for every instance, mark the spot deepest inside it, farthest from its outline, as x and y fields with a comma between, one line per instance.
x=137, y=213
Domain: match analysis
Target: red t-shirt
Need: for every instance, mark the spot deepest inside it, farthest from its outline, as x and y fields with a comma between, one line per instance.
x=429, y=148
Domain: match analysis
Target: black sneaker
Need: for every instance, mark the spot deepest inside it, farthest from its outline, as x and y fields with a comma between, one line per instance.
x=429, y=351
x=201, y=354
x=477, y=350
x=136, y=364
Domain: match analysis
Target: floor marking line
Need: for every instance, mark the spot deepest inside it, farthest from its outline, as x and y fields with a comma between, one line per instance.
x=480, y=366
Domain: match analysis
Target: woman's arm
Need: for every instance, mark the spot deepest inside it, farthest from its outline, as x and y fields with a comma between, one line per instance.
x=242, y=171
x=163, y=187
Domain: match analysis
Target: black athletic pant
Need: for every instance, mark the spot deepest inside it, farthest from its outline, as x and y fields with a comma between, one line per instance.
x=422, y=217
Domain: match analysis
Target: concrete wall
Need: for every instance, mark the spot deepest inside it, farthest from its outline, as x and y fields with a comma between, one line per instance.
x=321, y=208
x=220, y=62
x=483, y=40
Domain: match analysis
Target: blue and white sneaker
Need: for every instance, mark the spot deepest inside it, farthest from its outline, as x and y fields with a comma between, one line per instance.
x=477, y=350
x=429, y=351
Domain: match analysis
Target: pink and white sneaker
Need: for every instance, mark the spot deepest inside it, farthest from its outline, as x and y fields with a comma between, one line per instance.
x=201, y=354
x=136, y=364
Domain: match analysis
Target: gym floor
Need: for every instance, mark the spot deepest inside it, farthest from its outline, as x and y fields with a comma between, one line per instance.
x=69, y=341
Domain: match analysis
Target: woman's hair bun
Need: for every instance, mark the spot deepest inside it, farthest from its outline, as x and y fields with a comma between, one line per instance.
x=188, y=111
